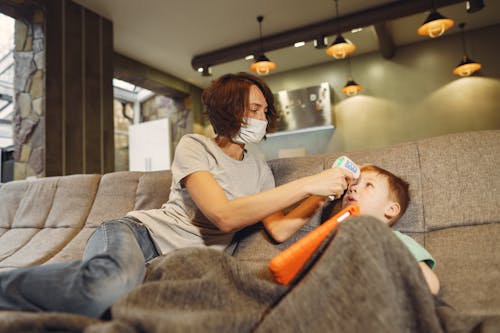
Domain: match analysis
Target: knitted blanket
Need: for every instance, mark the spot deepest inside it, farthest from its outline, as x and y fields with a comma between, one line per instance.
x=364, y=281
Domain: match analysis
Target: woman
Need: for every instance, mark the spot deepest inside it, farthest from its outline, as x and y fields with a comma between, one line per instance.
x=217, y=188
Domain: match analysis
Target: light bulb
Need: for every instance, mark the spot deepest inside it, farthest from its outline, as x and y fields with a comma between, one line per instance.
x=351, y=90
x=436, y=28
x=464, y=72
x=467, y=69
x=339, y=52
x=262, y=68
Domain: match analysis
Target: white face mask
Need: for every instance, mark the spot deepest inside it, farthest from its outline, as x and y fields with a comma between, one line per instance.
x=252, y=132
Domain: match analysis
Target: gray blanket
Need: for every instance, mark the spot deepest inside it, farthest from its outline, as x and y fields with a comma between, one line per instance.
x=364, y=281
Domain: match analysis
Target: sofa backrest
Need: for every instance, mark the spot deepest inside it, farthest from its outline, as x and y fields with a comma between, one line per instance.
x=453, y=182
x=50, y=219
x=454, y=179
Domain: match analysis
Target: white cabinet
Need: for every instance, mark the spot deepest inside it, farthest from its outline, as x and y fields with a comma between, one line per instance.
x=150, y=146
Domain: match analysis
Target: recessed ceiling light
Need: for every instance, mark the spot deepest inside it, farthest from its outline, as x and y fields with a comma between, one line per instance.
x=249, y=57
x=299, y=44
x=356, y=30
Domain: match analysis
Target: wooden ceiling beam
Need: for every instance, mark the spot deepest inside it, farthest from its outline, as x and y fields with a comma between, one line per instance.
x=372, y=16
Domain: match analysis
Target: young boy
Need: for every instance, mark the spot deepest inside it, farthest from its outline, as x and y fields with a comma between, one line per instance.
x=378, y=193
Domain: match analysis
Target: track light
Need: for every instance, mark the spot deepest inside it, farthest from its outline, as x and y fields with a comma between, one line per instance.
x=473, y=6
x=341, y=47
x=467, y=66
x=205, y=71
x=262, y=64
x=435, y=24
x=320, y=42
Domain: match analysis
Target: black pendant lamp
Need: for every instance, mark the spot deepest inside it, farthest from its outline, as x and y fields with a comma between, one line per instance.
x=467, y=66
x=262, y=64
x=351, y=88
x=435, y=24
x=341, y=47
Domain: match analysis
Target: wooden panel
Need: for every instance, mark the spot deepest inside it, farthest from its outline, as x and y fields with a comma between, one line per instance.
x=108, y=156
x=73, y=92
x=79, y=95
x=54, y=79
x=92, y=111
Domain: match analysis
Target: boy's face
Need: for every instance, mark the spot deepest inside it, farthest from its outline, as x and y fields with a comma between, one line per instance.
x=371, y=193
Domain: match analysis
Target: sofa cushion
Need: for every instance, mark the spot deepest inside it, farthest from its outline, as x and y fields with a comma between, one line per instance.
x=41, y=217
x=11, y=195
x=41, y=246
x=468, y=266
x=458, y=190
x=402, y=159
x=288, y=169
x=36, y=204
x=115, y=197
x=74, y=249
x=153, y=189
x=124, y=191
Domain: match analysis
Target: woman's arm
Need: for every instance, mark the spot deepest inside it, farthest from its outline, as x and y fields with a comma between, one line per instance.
x=430, y=277
x=281, y=226
x=229, y=215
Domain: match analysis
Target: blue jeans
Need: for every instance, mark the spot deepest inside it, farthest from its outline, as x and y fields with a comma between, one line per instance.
x=114, y=262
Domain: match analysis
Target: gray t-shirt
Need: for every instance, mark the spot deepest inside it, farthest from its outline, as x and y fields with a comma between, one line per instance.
x=179, y=223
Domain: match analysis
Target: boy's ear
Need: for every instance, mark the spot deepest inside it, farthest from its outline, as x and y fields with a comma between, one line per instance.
x=392, y=210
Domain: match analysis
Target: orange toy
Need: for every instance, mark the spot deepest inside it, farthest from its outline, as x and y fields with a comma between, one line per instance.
x=287, y=265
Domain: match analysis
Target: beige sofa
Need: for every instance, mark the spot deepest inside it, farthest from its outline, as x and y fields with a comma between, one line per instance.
x=454, y=212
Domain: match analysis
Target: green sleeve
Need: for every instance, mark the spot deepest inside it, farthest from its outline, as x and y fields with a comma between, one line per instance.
x=418, y=251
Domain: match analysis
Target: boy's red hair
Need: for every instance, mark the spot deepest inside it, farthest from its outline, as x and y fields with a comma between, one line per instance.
x=398, y=189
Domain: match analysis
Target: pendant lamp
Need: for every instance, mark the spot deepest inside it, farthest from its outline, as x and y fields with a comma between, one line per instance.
x=351, y=88
x=341, y=47
x=435, y=24
x=262, y=64
x=467, y=66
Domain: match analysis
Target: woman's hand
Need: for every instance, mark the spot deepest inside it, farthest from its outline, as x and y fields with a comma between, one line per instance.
x=333, y=181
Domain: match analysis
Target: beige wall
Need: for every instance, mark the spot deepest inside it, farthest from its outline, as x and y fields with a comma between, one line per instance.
x=411, y=96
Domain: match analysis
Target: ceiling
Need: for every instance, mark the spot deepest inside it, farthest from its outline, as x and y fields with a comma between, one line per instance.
x=167, y=34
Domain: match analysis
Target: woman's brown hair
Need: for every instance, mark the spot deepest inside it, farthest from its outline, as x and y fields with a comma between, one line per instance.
x=226, y=100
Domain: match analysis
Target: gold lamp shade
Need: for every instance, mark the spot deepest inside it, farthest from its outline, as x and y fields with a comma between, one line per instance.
x=466, y=67
x=341, y=48
x=435, y=25
x=262, y=65
x=351, y=88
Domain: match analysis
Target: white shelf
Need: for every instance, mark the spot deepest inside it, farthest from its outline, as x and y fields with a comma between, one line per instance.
x=302, y=130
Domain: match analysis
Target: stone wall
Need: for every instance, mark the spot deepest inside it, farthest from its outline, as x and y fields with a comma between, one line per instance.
x=29, y=89
x=123, y=113
x=177, y=110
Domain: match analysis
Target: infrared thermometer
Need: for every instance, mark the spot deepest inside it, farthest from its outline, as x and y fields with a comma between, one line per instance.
x=346, y=163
